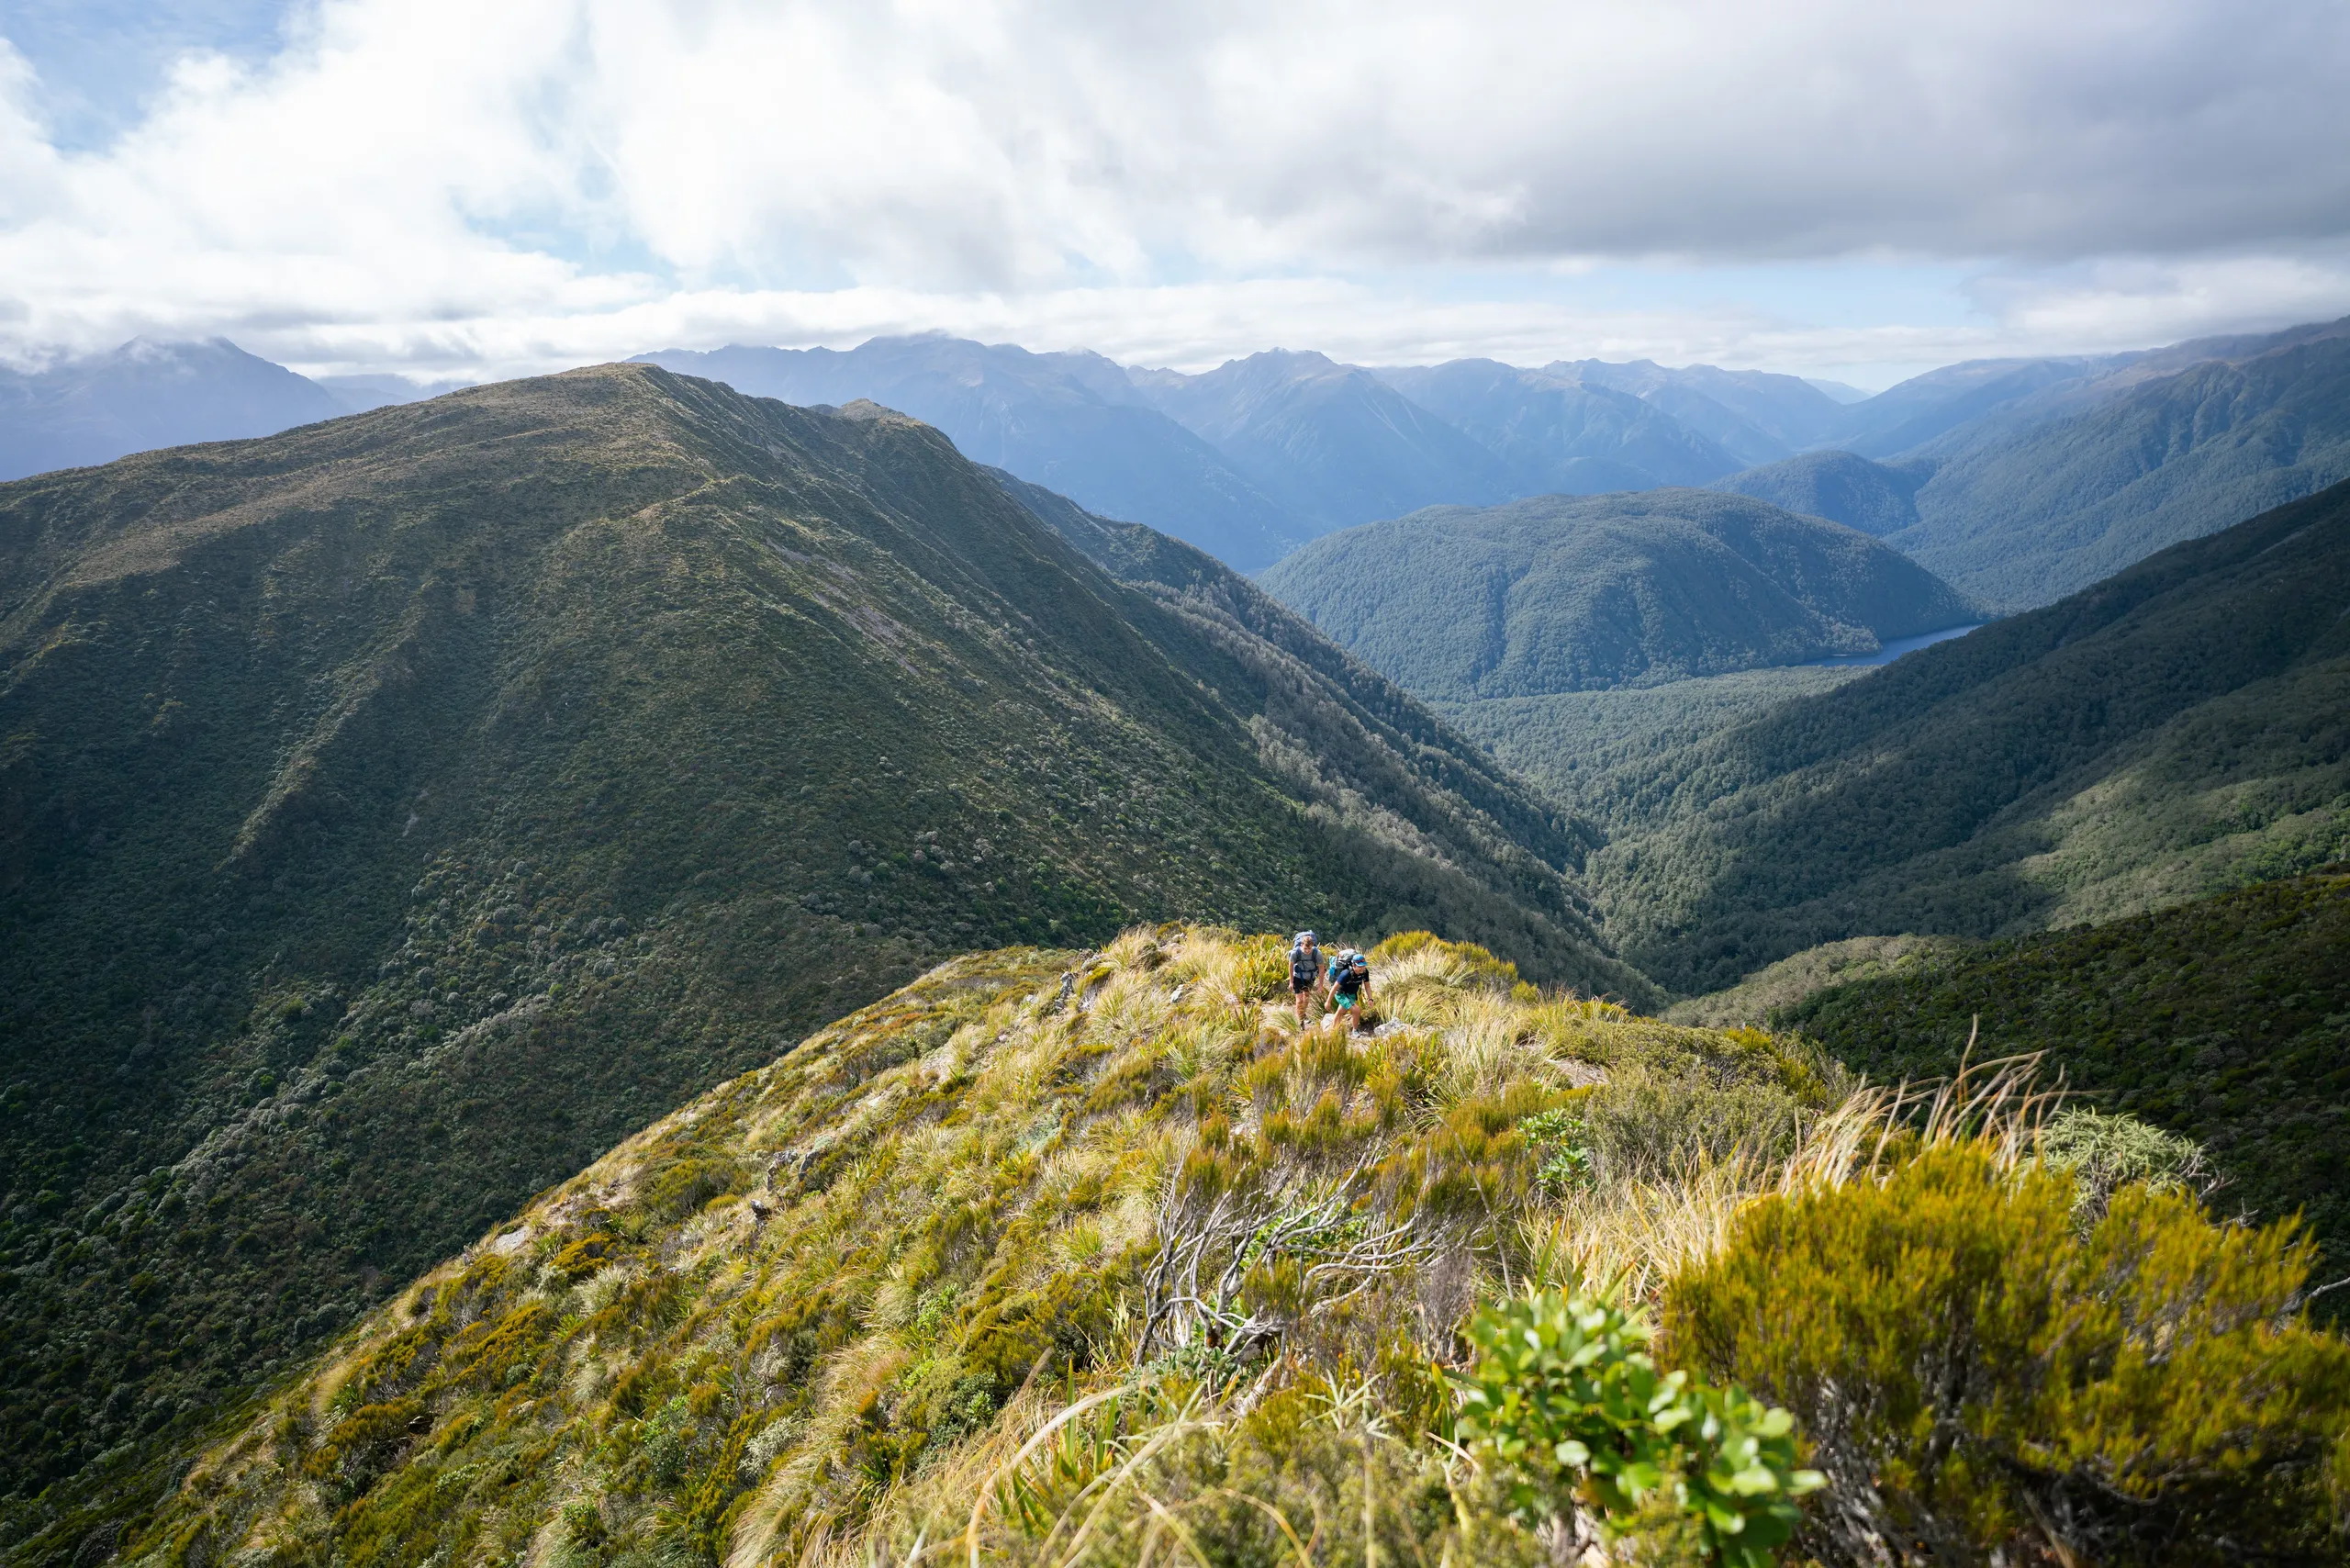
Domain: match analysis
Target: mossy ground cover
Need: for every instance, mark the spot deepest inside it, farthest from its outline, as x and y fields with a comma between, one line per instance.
x=1064, y=1258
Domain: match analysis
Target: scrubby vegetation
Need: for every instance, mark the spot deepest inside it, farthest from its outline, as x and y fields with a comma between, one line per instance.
x=1063, y=1259
x=2225, y=1021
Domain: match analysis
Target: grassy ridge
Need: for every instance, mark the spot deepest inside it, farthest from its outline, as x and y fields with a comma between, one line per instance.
x=785, y=1313
x=1062, y=1259
x=2226, y=1020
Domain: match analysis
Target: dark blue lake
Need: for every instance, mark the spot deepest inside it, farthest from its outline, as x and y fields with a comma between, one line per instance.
x=1900, y=645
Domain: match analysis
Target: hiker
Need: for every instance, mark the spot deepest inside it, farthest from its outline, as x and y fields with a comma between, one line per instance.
x=1350, y=981
x=1305, y=971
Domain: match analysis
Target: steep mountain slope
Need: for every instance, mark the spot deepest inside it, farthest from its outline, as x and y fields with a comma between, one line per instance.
x=1558, y=437
x=729, y=1336
x=394, y=812
x=1556, y=594
x=2181, y=728
x=1071, y=422
x=2226, y=1020
x=1839, y=485
x=2026, y=519
x=1927, y=407
x=146, y=395
x=1333, y=443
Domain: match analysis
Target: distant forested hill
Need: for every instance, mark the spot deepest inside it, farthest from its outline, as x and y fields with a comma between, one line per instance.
x=1565, y=594
x=2022, y=519
x=2179, y=729
x=1874, y=497
x=2227, y=1020
x=396, y=812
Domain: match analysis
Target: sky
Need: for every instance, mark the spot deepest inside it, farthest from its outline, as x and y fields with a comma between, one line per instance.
x=1850, y=189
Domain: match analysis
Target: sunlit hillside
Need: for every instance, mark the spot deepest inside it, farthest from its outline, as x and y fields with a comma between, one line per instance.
x=1064, y=1258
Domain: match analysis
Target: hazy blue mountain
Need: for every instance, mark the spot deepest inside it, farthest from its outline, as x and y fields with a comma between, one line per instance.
x=1962, y=405
x=1071, y=422
x=1560, y=437
x=360, y=394
x=2025, y=518
x=1559, y=594
x=1333, y=443
x=1935, y=404
x=1837, y=391
x=1839, y=485
x=1756, y=415
x=145, y=395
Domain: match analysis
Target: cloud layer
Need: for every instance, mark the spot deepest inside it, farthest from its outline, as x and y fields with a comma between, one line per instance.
x=433, y=185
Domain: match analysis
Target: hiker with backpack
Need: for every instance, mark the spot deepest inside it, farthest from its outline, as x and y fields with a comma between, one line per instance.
x=1349, y=980
x=1305, y=971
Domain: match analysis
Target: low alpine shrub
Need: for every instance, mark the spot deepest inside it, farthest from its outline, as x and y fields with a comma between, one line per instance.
x=1566, y=1400
x=1985, y=1377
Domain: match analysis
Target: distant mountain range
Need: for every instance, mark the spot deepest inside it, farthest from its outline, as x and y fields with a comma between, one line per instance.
x=1562, y=594
x=1074, y=422
x=2016, y=480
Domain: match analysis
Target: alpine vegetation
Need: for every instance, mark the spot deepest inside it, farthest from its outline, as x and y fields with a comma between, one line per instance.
x=1063, y=1257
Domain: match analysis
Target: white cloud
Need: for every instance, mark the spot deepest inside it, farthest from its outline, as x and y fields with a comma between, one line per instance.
x=439, y=185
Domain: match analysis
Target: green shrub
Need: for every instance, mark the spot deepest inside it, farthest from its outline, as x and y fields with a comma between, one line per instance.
x=1981, y=1374
x=2105, y=1153
x=1564, y=1396
x=1562, y=1144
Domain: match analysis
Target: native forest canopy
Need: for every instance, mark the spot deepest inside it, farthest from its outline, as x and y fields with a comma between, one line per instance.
x=690, y=963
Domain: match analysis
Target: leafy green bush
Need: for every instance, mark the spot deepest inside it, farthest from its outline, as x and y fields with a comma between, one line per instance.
x=1561, y=1142
x=1567, y=1399
x=1980, y=1374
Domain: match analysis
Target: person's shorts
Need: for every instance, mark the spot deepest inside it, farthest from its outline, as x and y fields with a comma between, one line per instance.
x=1347, y=998
x=1300, y=987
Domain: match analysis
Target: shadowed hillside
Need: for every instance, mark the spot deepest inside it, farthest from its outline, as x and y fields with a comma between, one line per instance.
x=2179, y=729
x=2226, y=1020
x=396, y=811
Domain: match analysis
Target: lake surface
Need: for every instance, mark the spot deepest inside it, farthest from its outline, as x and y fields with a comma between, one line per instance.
x=1900, y=645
